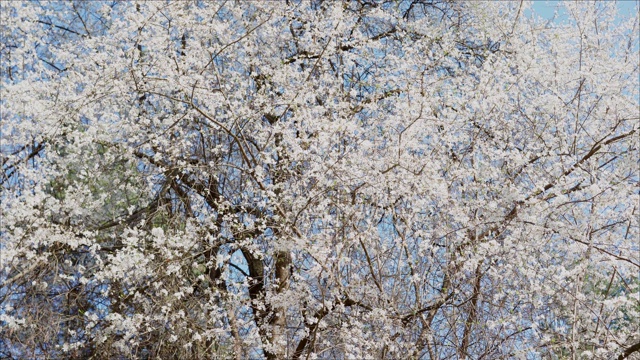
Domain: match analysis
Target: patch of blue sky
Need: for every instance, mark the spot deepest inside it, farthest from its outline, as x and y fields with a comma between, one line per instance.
x=555, y=11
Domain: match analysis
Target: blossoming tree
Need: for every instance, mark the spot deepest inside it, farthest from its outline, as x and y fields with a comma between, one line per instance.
x=358, y=179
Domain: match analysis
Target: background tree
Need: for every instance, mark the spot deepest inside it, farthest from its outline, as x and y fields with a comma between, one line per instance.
x=362, y=179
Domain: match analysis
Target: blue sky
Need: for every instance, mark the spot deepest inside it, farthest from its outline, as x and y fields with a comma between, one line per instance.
x=546, y=8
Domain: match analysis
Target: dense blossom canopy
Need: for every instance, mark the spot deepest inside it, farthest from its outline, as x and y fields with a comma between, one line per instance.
x=364, y=179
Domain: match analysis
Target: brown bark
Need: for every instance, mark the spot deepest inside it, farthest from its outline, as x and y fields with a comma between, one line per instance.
x=630, y=350
x=473, y=314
